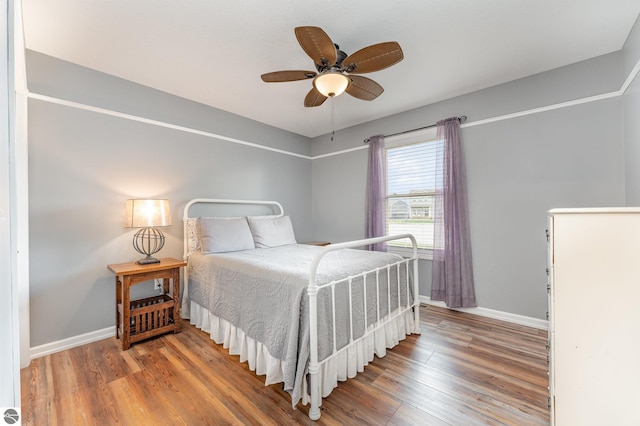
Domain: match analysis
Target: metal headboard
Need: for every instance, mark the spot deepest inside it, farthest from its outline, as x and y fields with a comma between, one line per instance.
x=185, y=214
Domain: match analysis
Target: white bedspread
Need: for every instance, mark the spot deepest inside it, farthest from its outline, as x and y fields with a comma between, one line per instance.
x=262, y=293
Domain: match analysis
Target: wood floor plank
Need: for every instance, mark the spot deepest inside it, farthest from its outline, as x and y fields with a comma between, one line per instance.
x=70, y=407
x=466, y=386
x=445, y=407
x=38, y=392
x=219, y=397
x=362, y=403
x=131, y=410
x=197, y=406
x=162, y=408
x=408, y=415
x=462, y=370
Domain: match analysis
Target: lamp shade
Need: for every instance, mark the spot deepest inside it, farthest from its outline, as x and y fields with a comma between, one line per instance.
x=147, y=213
x=331, y=83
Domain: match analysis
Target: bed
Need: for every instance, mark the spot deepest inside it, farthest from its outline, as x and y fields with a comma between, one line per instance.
x=303, y=315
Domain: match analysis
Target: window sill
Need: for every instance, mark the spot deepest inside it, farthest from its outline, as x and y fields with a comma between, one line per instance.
x=425, y=254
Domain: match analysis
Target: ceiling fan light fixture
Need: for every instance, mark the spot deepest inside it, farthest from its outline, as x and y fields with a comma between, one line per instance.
x=331, y=83
x=338, y=72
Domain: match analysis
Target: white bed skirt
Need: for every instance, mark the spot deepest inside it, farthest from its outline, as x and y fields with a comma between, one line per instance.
x=345, y=365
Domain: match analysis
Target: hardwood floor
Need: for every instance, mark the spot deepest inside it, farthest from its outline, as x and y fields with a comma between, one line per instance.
x=462, y=370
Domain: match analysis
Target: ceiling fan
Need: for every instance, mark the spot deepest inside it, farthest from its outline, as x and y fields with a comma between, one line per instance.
x=338, y=72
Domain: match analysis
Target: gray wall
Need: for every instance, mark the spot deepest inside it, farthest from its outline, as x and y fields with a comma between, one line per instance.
x=83, y=165
x=518, y=168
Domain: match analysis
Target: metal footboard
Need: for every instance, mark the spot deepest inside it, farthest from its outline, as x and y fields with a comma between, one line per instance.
x=392, y=311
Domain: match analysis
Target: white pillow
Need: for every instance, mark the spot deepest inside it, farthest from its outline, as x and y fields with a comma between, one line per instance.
x=220, y=235
x=271, y=231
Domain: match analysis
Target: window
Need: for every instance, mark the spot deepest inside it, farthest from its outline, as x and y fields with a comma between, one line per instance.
x=411, y=186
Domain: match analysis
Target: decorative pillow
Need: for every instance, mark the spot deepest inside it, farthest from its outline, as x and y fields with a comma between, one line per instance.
x=271, y=231
x=220, y=235
x=193, y=242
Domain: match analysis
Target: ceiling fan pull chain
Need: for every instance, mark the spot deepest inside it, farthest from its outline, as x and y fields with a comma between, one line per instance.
x=333, y=127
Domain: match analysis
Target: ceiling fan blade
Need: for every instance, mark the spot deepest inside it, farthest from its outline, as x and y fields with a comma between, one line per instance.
x=314, y=98
x=373, y=58
x=364, y=88
x=281, y=76
x=317, y=44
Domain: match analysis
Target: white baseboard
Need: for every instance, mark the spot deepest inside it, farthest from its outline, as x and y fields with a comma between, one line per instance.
x=491, y=313
x=72, y=342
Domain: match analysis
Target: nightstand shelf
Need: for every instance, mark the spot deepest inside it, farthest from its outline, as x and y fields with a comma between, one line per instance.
x=151, y=316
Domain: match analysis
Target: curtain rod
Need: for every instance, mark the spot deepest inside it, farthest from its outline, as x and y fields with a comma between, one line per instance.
x=461, y=119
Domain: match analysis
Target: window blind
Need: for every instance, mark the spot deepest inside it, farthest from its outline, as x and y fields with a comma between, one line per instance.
x=411, y=184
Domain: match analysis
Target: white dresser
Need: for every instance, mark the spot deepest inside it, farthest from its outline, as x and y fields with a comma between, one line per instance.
x=594, y=316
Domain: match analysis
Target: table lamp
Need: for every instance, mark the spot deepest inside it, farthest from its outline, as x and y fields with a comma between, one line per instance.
x=147, y=214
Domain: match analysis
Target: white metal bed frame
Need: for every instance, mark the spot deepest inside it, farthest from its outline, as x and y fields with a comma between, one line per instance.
x=313, y=288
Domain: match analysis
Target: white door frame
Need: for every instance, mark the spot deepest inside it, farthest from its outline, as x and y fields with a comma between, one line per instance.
x=13, y=168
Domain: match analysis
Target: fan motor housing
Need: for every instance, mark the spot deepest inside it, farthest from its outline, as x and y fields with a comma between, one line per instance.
x=340, y=56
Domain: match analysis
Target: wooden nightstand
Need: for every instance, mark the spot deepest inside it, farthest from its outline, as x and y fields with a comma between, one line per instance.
x=143, y=318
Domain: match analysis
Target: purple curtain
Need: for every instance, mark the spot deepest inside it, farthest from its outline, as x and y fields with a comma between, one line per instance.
x=452, y=274
x=376, y=192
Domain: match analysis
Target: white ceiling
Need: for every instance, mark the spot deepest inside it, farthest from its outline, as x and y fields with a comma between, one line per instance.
x=214, y=52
